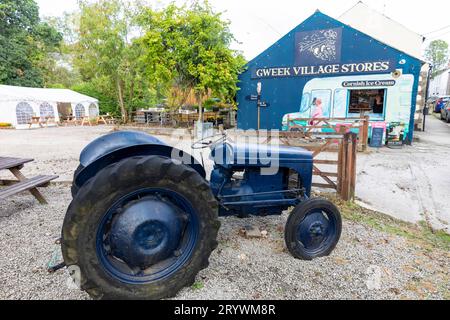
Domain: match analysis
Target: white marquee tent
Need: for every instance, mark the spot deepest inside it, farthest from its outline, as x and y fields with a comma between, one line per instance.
x=19, y=104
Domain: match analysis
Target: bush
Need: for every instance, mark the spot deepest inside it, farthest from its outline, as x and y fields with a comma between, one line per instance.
x=107, y=103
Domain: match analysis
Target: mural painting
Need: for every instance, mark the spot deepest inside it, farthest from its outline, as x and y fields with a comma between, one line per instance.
x=349, y=97
x=326, y=69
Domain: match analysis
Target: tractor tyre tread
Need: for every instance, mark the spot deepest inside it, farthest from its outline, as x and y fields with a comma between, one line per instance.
x=96, y=196
x=297, y=215
x=74, y=188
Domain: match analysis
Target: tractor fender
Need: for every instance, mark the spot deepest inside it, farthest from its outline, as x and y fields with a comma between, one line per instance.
x=115, y=141
x=120, y=145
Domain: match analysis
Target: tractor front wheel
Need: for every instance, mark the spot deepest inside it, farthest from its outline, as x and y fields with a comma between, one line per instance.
x=141, y=228
x=313, y=229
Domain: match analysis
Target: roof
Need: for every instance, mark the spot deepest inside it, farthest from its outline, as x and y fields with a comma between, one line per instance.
x=323, y=15
x=12, y=93
x=381, y=27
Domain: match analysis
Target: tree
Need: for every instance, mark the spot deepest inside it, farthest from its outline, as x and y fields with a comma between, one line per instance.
x=437, y=53
x=189, y=48
x=100, y=89
x=61, y=72
x=26, y=44
x=104, y=48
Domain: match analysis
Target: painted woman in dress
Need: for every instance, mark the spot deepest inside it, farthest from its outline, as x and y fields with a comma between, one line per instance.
x=317, y=113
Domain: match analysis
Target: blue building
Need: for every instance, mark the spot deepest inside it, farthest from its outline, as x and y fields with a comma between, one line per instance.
x=326, y=69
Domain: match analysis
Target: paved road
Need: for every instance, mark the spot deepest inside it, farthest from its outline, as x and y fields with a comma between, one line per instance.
x=437, y=132
x=412, y=184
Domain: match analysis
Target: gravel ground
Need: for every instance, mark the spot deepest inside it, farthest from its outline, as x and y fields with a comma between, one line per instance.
x=402, y=183
x=55, y=150
x=367, y=264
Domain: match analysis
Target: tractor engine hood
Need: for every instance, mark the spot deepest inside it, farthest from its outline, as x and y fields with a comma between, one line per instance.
x=258, y=154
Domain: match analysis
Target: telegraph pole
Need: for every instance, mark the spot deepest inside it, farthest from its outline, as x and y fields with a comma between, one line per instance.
x=427, y=92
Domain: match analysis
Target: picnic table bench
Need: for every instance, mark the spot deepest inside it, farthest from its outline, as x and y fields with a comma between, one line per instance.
x=24, y=184
x=41, y=121
x=106, y=119
x=36, y=120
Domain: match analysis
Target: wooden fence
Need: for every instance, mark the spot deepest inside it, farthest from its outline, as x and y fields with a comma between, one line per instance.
x=329, y=127
x=334, y=152
x=338, y=173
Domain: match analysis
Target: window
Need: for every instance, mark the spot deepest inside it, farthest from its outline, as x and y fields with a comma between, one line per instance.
x=93, y=110
x=340, y=103
x=305, y=106
x=321, y=104
x=46, y=110
x=80, y=112
x=369, y=101
x=24, y=112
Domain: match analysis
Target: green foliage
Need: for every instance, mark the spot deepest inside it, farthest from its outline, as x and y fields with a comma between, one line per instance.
x=104, y=50
x=421, y=234
x=100, y=89
x=122, y=52
x=190, y=47
x=211, y=103
x=437, y=53
x=61, y=72
x=102, y=39
x=198, y=286
x=26, y=44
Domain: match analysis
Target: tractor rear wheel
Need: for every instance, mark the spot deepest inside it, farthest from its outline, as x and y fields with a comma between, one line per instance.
x=74, y=189
x=313, y=229
x=141, y=228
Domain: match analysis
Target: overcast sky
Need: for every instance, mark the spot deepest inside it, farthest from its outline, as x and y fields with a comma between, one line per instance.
x=257, y=24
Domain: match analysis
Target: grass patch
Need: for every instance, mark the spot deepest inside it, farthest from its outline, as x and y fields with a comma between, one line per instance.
x=422, y=233
x=198, y=286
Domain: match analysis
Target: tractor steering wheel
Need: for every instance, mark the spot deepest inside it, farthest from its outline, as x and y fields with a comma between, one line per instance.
x=209, y=141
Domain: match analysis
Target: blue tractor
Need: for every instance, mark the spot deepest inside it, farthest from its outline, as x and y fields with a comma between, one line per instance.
x=143, y=223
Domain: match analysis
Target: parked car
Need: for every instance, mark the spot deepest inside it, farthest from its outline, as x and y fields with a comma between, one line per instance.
x=445, y=112
x=440, y=103
x=431, y=100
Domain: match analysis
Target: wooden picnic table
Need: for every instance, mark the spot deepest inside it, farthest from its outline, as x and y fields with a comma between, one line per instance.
x=68, y=120
x=36, y=120
x=84, y=120
x=102, y=118
x=41, y=121
x=49, y=120
x=106, y=119
x=14, y=165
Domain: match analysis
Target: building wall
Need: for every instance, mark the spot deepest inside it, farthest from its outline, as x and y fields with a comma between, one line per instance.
x=284, y=93
x=439, y=85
